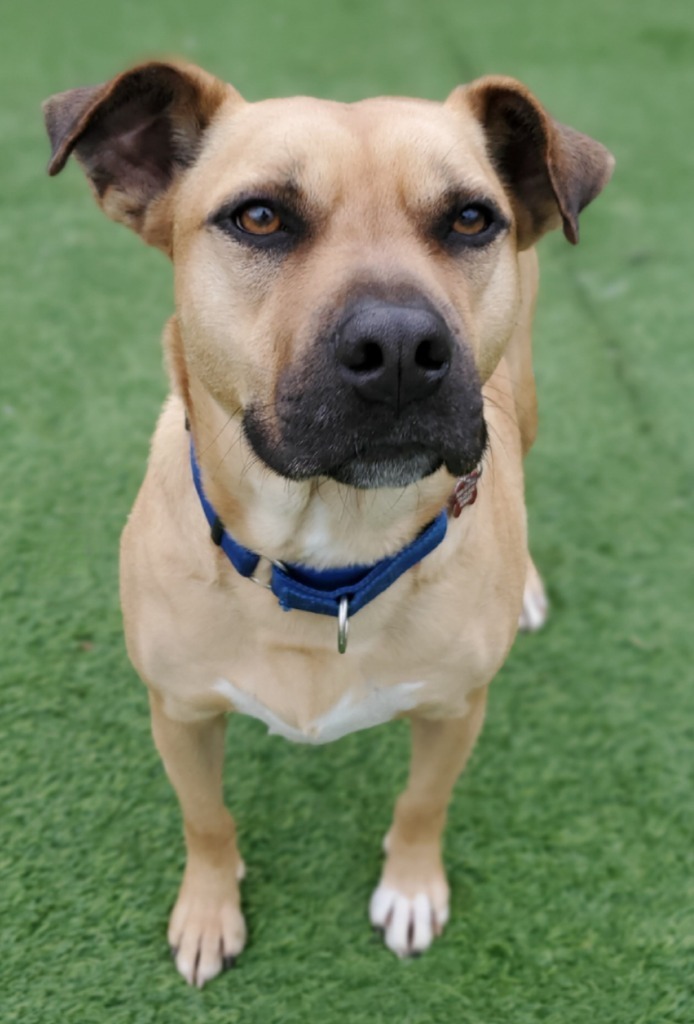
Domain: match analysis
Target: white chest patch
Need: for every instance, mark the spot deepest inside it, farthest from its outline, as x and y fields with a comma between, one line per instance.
x=378, y=706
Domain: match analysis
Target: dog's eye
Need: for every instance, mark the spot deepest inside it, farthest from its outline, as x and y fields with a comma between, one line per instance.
x=258, y=219
x=474, y=219
x=262, y=223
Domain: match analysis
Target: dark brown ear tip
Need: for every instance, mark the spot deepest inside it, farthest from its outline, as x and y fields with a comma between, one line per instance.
x=59, y=157
x=55, y=164
x=50, y=117
x=571, y=232
x=64, y=115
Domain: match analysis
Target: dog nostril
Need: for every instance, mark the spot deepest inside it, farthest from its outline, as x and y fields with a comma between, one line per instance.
x=430, y=355
x=368, y=356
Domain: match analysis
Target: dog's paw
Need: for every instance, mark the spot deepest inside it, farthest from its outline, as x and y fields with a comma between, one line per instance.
x=409, y=924
x=535, y=604
x=207, y=932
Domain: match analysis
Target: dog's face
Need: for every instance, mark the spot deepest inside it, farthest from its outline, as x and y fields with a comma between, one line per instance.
x=346, y=275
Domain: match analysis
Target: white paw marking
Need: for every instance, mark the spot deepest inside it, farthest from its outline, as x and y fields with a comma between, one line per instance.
x=535, y=604
x=410, y=924
x=206, y=936
x=379, y=705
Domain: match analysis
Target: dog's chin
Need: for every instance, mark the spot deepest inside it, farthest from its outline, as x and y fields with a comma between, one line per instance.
x=392, y=466
x=386, y=470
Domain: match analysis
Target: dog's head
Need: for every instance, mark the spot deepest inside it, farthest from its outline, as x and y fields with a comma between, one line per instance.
x=346, y=275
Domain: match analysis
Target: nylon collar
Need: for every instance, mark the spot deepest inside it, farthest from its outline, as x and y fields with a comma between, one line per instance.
x=340, y=592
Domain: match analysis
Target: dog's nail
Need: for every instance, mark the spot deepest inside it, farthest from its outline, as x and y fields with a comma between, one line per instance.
x=228, y=962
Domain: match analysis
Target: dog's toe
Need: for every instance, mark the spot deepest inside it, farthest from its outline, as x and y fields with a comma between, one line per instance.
x=409, y=924
x=205, y=938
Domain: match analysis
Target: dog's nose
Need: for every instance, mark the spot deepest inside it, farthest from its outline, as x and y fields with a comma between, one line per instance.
x=393, y=354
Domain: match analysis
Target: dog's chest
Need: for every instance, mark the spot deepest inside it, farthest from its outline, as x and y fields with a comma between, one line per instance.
x=351, y=713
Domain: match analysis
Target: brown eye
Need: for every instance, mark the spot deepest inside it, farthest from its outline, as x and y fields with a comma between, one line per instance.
x=472, y=220
x=259, y=219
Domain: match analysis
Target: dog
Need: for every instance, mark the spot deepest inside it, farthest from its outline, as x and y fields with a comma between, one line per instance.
x=331, y=532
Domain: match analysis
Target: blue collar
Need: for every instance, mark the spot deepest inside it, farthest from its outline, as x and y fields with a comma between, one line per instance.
x=339, y=592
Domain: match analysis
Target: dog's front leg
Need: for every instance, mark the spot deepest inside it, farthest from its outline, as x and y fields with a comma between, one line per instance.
x=207, y=929
x=411, y=901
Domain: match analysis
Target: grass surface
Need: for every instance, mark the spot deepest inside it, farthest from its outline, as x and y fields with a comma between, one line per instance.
x=571, y=837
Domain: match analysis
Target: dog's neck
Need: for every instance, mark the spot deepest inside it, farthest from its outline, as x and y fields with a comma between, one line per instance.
x=317, y=522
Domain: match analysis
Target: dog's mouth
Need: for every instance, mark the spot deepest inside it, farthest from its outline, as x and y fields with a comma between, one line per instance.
x=365, y=461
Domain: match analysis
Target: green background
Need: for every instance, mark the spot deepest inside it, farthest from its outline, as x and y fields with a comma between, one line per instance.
x=571, y=836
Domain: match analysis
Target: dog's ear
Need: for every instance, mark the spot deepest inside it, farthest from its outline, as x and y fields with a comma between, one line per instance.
x=134, y=135
x=552, y=172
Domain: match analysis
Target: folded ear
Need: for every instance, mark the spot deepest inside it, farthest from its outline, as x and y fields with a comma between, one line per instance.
x=134, y=135
x=552, y=172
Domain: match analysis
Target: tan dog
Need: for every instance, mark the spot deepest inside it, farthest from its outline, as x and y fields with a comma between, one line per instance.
x=354, y=291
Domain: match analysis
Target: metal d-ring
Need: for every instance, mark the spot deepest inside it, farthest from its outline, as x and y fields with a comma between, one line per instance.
x=273, y=562
x=342, y=624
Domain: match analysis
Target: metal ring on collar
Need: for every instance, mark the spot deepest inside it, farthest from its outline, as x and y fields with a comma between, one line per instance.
x=343, y=624
x=272, y=562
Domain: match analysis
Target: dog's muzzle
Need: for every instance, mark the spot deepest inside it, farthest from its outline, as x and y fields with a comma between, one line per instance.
x=384, y=396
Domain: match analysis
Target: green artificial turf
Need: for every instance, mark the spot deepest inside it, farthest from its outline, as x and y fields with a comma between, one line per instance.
x=571, y=836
